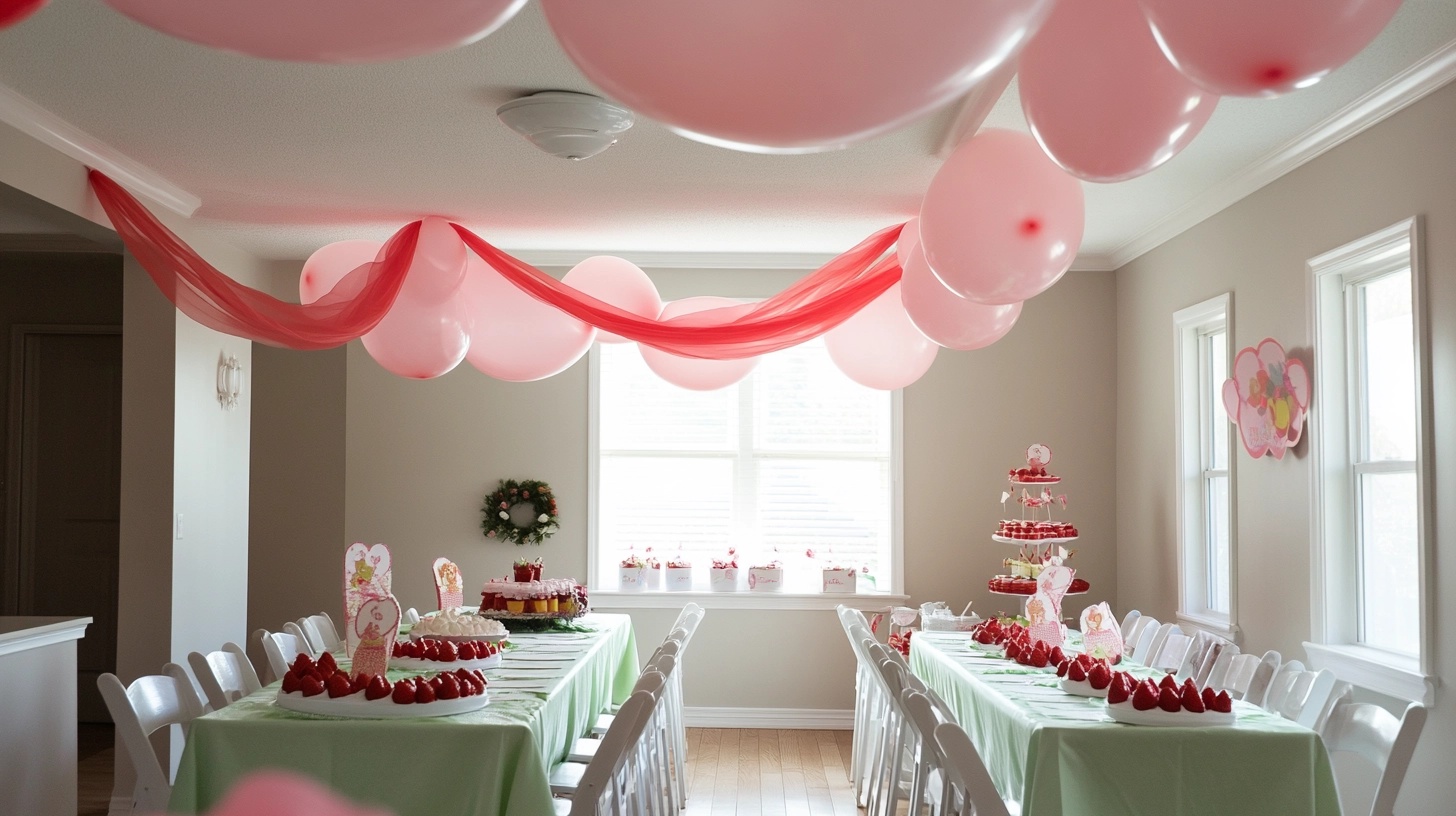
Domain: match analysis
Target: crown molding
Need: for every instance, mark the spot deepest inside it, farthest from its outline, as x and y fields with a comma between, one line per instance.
x=60, y=135
x=1390, y=97
x=53, y=242
x=567, y=258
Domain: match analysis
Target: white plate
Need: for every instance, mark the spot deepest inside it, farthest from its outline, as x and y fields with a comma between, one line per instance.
x=419, y=664
x=1084, y=689
x=1125, y=713
x=384, y=708
x=460, y=638
x=1006, y=540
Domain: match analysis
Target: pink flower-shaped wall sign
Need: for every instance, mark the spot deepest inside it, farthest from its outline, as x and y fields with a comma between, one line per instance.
x=1267, y=397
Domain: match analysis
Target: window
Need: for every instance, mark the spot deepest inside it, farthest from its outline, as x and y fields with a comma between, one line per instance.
x=1205, y=497
x=1371, y=525
x=792, y=458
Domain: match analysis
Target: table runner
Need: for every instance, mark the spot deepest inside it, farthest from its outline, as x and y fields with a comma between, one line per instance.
x=1061, y=754
x=546, y=694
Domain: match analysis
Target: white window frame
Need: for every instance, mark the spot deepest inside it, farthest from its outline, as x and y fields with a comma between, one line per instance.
x=662, y=599
x=1334, y=640
x=1190, y=327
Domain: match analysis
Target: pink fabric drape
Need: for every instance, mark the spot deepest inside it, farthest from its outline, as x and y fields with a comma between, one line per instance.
x=813, y=305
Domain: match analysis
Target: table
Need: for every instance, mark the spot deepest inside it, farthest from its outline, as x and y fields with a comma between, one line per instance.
x=1057, y=753
x=546, y=694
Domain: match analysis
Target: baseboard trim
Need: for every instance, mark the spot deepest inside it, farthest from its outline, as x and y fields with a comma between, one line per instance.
x=817, y=719
x=120, y=806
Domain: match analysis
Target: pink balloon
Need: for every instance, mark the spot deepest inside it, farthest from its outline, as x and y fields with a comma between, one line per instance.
x=909, y=241
x=1000, y=222
x=329, y=264
x=1100, y=96
x=514, y=336
x=690, y=372
x=438, y=267
x=420, y=340
x=879, y=347
x=947, y=318
x=1264, y=47
x=619, y=282
x=13, y=11
x=337, y=31
x=789, y=76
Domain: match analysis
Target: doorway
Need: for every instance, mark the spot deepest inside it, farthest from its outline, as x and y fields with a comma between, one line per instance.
x=62, y=540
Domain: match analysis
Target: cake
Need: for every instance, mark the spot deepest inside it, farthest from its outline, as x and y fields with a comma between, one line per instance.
x=549, y=596
x=453, y=623
x=1036, y=532
x=1037, y=458
x=1008, y=585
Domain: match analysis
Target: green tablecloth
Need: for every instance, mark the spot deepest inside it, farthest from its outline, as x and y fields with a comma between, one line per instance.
x=1057, y=753
x=546, y=694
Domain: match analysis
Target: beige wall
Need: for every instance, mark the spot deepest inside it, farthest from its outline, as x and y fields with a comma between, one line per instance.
x=1257, y=249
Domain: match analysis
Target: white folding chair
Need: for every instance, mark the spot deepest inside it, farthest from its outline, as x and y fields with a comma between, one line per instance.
x=411, y=616
x=894, y=752
x=871, y=709
x=225, y=676
x=606, y=781
x=566, y=777
x=1214, y=666
x=1144, y=629
x=1127, y=623
x=282, y=649
x=1170, y=650
x=320, y=632
x=1254, y=689
x=1382, y=739
x=149, y=703
x=972, y=793
x=258, y=655
x=1281, y=686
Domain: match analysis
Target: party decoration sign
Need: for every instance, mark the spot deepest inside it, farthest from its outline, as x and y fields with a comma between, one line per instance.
x=1101, y=636
x=368, y=575
x=1267, y=398
x=1044, y=609
x=449, y=590
x=374, y=629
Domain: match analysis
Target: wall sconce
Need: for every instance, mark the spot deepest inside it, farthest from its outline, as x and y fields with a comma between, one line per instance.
x=229, y=381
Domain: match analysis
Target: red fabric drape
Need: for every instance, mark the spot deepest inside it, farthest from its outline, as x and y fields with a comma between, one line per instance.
x=808, y=308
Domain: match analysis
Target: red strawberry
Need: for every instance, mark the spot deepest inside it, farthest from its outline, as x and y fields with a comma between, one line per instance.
x=1038, y=659
x=361, y=682
x=1076, y=673
x=432, y=650
x=449, y=688
x=1189, y=685
x=317, y=675
x=338, y=686
x=424, y=693
x=302, y=664
x=1100, y=677
x=1222, y=703
x=1191, y=701
x=377, y=688
x=1168, y=700
x=1115, y=659
x=291, y=681
x=1012, y=649
x=310, y=686
x=434, y=682
x=1062, y=668
x=416, y=649
x=404, y=692
x=1085, y=659
x=1168, y=683
x=985, y=638
x=467, y=651
x=326, y=664
x=448, y=652
x=1208, y=695
x=1145, y=696
x=1118, y=693
x=1055, y=655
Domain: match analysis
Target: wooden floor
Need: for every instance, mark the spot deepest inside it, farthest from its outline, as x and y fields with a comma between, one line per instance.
x=729, y=771
x=769, y=772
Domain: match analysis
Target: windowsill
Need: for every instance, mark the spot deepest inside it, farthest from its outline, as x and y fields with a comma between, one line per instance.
x=1214, y=626
x=865, y=601
x=1380, y=671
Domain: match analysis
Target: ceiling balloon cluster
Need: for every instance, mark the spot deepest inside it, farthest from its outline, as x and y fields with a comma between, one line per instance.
x=1111, y=89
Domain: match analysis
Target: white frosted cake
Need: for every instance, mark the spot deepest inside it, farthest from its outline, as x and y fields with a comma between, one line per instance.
x=454, y=623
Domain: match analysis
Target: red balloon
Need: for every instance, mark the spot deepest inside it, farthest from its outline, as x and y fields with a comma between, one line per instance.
x=1100, y=96
x=13, y=11
x=336, y=31
x=1264, y=47
x=789, y=76
x=947, y=318
x=1001, y=223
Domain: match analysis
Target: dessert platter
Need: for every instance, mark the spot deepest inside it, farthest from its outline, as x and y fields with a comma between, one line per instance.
x=458, y=626
x=323, y=688
x=1036, y=534
x=430, y=654
x=1166, y=703
x=529, y=597
x=1085, y=676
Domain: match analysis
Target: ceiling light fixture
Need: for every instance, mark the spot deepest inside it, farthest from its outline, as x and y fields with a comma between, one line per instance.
x=566, y=124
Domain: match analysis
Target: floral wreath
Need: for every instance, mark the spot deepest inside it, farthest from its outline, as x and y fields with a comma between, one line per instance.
x=495, y=512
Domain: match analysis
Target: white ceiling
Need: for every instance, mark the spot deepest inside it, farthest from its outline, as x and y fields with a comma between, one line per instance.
x=287, y=157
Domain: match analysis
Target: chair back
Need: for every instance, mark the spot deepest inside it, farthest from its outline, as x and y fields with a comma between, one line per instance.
x=1282, y=685
x=1170, y=650
x=138, y=710
x=1127, y=623
x=599, y=788
x=1144, y=629
x=1252, y=680
x=1385, y=741
x=225, y=675
x=972, y=791
x=320, y=632
x=282, y=649
x=304, y=646
x=1214, y=668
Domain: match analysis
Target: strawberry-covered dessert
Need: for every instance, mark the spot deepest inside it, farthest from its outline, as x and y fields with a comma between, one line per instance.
x=1010, y=585
x=1166, y=702
x=1032, y=530
x=1085, y=675
x=455, y=625
x=1038, y=456
x=323, y=688
x=429, y=654
x=1036, y=655
x=995, y=632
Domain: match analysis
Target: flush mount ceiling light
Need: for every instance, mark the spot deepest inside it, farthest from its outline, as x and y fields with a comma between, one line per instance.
x=570, y=125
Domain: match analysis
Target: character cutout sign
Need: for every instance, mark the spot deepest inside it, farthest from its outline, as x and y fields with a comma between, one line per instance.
x=375, y=629
x=1044, y=609
x=449, y=588
x=367, y=576
x=1101, y=636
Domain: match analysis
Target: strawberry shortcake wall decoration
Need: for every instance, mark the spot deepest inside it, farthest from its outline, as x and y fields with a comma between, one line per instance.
x=1267, y=398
